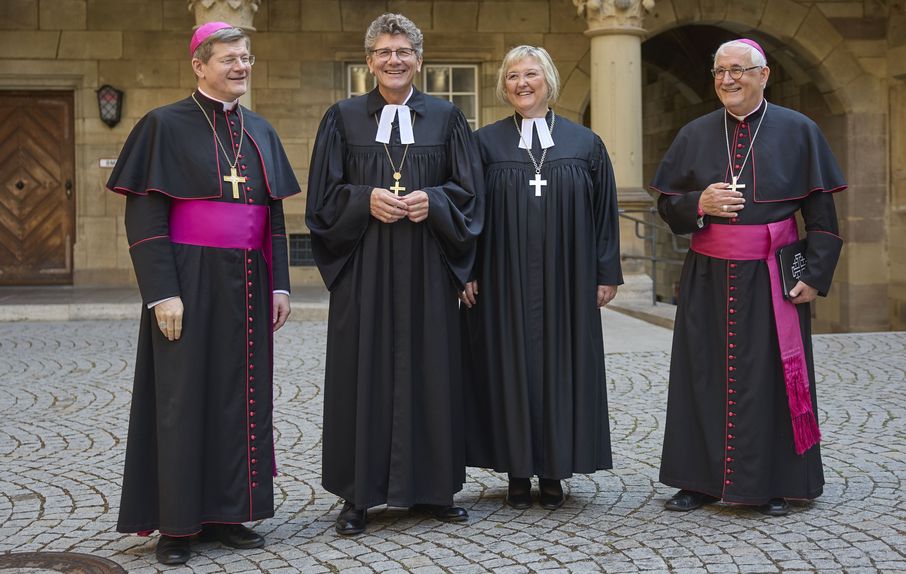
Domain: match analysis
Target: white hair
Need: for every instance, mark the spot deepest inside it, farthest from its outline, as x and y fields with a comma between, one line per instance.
x=755, y=57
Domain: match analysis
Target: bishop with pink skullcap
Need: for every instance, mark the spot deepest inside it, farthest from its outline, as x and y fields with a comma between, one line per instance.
x=204, y=180
x=742, y=423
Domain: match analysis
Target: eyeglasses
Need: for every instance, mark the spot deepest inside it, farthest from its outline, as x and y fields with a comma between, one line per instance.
x=244, y=60
x=735, y=72
x=384, y=54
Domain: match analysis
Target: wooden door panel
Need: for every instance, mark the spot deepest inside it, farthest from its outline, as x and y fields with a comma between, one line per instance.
x=37, y=215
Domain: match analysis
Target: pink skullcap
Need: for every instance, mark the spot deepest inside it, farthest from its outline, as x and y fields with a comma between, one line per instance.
x=754, y=44
x=203, y=32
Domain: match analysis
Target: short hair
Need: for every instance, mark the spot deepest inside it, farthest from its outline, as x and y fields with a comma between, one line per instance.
x=223, y=36
x=394, y=24
x=519, y=53
x=755, y=57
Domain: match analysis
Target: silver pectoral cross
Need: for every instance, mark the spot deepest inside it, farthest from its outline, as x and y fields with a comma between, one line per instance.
x=538, y=183
x=736, y=186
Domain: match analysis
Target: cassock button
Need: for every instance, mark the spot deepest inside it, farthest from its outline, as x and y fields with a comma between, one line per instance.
x=251, y=401
x=732, y=266
x=254, y=473
x=249, y=272
x=254, y=461
x=252, y=437
x=252, y=391
x=732, y=391
x=739, y=146
x=251, y=378
x=253, y=449
x=732, y=322
x=730, y=437
x=250, y=283
x=732, y=334
x=731, y=369
x=251, y=413
x=739, y=156
x=728, y=482
x=731, y=288
x=252, y=367
x=252, y=426
x=729, y=470
x=254, y=484
x=731, y=298
x=242, y=166
x=251, y=343
x=235, y=134
x=730, y=447
x=731, y=403
x=232, y=123
x=732, y=357
x=731, y=276
x=736, y=166
x=250, y=331
x=732, y=380
x=250, y=307
x=732, y=345
x=251, y=319
x=251, y=200
x=248, y=260
x=732, y=311
x=731, y=413
x=250, y=295
x=730, y=425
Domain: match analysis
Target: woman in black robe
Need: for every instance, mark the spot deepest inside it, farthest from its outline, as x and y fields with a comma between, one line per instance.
x=536, y=400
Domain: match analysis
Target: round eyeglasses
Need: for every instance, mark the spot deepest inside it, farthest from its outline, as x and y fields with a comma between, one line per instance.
x=735, y=72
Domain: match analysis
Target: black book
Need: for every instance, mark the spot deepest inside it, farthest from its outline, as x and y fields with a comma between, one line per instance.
x=792, y=262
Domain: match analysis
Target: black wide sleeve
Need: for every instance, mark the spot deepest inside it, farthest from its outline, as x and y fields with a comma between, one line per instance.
x=279, y=247
x=824, y=243
x=607, y=219
x=456, y=207
x=336, y=212
x=678, y=191
x=148, y=233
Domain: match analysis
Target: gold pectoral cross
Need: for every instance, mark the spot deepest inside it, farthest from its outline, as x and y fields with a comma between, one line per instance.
x=235, y=180
x=396, y=187
x=735, y=186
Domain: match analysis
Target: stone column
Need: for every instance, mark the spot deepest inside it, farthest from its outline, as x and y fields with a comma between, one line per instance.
x=615, y=29
x=239, y=13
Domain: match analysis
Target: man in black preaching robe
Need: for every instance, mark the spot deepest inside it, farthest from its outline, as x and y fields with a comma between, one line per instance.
x=742, y=413
x=204, y=179
x=549, y=258
x=394, y=211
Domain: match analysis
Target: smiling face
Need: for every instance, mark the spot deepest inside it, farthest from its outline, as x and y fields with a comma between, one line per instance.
x=740, y=96
x=526, y=88
x=224, y=76
x=394, y=75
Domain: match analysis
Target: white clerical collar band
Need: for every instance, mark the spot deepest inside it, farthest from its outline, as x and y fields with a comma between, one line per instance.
x=405, y=121
x=227, y=106
x=544, y=133
x=743, y=118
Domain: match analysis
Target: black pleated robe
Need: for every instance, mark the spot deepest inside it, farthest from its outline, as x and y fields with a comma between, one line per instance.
x=200, y=447
x=728, y=431
x=536, y=392
x=393, y=389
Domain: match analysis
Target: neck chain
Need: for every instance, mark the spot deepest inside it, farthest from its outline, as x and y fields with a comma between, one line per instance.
x=735, y=177
x=538, y=183
x=397, y=172
x=233, y=178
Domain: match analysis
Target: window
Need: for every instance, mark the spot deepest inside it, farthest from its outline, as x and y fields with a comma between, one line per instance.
x=300, y=250
x=457, y=83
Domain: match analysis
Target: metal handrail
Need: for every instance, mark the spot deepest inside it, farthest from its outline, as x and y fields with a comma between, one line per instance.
x=648, y=231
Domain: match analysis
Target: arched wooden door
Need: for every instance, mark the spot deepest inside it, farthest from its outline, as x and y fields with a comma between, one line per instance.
x=37, y=178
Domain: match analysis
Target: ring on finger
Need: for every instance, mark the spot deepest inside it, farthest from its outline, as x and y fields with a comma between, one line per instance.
x=162, y=324
x=725, y=208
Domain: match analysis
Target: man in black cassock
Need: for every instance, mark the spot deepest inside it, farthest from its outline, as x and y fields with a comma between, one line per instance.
x=549, y=258
x=394, y=210
x=741, y=413
x=204, y=179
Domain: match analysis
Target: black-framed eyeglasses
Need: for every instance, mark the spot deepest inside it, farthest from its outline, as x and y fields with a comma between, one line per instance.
x=386, y=53
x=735, y=72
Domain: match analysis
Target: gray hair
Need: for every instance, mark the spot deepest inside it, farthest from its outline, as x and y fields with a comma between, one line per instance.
x=755, y=57
x=223, y=36
x=519, y=53
x=394, y=24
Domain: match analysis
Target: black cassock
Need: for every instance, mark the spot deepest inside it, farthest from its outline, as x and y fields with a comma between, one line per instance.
x=393, y=391
x=536, y=397
x=200, y=443
x=728, y=432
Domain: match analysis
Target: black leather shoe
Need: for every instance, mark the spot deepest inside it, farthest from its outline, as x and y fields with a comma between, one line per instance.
x=232, y=535
x=172, y=550
x=519, y=493
x=351, y=521
x=550, y=493
x=686, y=500
x=775, y=507
x=443, y=513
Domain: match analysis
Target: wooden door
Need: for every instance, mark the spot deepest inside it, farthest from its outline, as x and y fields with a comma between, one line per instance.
x=37, y=177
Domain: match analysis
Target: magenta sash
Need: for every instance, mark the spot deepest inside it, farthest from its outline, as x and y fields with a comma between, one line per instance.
x=761, y=242
x=229, y=226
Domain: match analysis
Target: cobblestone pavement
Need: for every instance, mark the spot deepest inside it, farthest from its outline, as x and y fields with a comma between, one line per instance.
x=63, y=416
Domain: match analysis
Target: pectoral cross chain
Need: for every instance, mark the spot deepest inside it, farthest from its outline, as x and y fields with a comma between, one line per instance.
x=235, y=180
x=396, y=187
x=538, y=183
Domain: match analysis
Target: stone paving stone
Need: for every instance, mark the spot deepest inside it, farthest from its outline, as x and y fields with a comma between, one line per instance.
x=64, y=404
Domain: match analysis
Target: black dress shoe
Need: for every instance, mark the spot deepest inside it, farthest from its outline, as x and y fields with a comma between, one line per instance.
x=550, y=493
x=232, y=535
x=775, y=507
x=519, y=493
x=442, y=512
x=351, y=521
x=686, y=500
x=172, y=550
